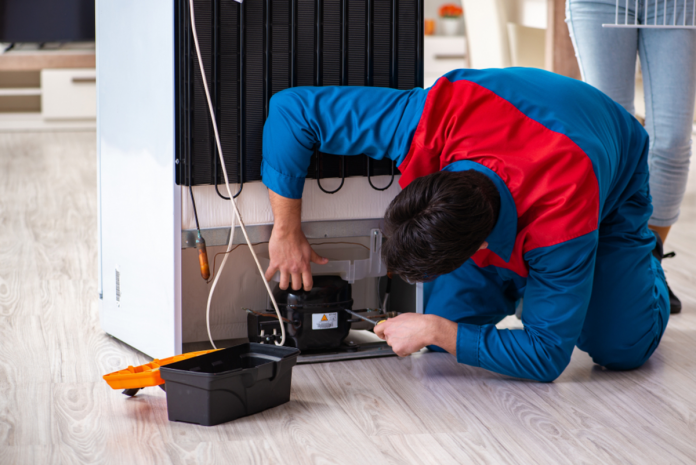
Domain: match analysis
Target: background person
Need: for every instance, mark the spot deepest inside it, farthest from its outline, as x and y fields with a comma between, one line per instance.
x=607, y=59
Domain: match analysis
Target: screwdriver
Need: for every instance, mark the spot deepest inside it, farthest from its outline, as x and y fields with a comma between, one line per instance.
x=200, y=242
x=363, y=318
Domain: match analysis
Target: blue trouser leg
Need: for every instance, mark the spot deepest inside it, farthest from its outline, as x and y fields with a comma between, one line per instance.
x=629, y=308
x=470, y=295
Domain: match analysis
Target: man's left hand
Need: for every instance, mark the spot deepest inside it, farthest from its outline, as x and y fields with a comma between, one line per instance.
x=410, y=332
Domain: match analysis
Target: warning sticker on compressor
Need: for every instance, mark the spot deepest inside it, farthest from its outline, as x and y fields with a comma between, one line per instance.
x=325, y=320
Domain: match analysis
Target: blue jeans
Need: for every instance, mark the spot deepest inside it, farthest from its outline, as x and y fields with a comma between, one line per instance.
x=607, y=59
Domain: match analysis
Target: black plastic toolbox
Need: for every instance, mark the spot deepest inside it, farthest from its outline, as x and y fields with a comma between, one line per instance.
x=228, y=384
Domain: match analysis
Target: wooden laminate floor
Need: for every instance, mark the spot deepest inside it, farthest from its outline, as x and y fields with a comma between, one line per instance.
x=55, y=408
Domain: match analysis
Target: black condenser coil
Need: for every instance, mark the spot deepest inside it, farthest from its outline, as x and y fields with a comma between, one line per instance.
x=252, y=50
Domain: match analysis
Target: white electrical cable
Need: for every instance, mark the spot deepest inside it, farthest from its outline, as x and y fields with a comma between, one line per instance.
x=234, y=203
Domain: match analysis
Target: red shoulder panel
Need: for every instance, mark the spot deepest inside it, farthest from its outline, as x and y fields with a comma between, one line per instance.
x=551, y=179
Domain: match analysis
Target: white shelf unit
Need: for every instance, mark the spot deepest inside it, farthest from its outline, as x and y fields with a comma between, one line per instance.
x=47, y=90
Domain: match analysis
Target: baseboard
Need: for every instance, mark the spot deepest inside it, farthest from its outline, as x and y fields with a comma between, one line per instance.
x=17, y=122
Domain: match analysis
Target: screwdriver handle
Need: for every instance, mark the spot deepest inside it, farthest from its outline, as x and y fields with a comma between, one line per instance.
x=203, y=257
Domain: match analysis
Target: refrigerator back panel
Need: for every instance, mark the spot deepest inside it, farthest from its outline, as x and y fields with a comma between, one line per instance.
x=257, y=48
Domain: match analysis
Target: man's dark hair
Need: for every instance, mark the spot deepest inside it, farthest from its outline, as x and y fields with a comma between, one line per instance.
x=438, y=222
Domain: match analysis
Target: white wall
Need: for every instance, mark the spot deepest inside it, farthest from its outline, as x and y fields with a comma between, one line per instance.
x=530, y=13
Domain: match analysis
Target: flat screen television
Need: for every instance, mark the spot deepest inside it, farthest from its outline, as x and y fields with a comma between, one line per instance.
x=46, y=20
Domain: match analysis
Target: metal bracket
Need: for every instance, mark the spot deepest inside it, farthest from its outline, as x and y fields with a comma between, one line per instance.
x=262, y=232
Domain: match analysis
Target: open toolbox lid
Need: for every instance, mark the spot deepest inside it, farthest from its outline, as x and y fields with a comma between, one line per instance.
x=148, y=374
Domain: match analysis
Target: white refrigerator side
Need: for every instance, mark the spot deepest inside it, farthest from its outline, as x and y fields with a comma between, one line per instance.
x=140, y=204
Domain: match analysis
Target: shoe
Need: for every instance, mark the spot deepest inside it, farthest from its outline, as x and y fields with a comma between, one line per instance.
x=658, y=252
x=675, y=305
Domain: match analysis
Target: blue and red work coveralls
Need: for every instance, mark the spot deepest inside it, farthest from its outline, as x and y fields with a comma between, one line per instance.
x=571, y=237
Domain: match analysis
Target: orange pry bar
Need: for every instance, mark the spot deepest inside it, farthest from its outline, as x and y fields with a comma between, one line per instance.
x=146, y=375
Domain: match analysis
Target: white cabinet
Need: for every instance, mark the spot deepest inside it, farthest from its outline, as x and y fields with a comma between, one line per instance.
x=441, y=55
x=68, y=94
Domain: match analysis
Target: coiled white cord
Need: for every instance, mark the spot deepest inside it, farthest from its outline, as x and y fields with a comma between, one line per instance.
x=234, y=202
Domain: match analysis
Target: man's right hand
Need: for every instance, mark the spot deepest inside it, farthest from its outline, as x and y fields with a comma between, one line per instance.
x=288, y=249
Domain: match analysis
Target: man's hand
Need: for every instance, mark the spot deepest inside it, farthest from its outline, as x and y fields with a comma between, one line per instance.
x=291, y=254
x=288, y=249
x=410, y=332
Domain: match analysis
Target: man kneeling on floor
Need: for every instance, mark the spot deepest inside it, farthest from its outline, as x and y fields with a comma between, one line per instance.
x=516, y=183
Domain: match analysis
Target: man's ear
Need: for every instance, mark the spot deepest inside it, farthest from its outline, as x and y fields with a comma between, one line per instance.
x=484, y=245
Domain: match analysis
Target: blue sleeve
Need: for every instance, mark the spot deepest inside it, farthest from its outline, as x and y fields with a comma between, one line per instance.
x=375, y=121
x=556, y=298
